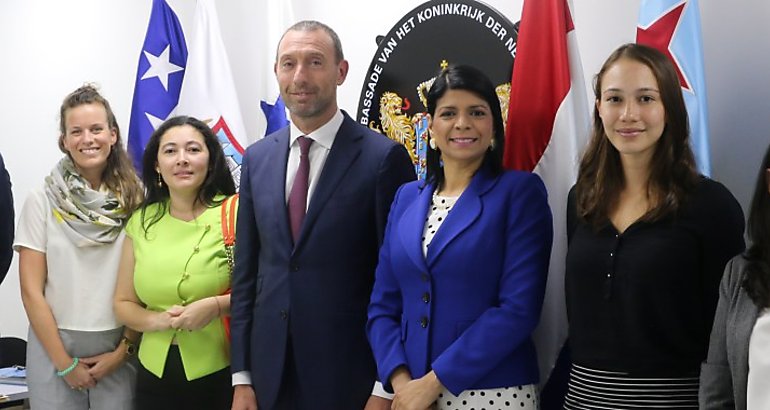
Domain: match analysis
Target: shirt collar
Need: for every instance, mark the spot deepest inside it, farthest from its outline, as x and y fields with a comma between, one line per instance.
x=324, y=135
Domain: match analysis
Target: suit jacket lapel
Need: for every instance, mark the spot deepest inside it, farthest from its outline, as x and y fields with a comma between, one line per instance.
x=412, y=224
x=277, y=158
x=467, y=209
x=344, y=151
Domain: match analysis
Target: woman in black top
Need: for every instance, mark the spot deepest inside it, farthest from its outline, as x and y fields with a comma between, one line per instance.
x=649, y=238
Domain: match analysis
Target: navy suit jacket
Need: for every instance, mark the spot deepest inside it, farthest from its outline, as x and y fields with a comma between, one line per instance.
x=316, y=291
x=467, y=310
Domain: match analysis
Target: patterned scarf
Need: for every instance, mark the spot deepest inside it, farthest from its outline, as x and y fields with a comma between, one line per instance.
x=90, y=217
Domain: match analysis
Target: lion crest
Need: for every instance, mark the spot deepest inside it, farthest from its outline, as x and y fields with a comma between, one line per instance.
x=396, y=124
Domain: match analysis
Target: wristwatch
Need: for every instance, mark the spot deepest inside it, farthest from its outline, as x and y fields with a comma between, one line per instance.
x=130, y=346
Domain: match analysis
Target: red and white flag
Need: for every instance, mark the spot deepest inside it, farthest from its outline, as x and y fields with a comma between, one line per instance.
x=548, y=126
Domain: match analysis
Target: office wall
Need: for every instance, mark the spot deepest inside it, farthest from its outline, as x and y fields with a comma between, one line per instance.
x=48, y=48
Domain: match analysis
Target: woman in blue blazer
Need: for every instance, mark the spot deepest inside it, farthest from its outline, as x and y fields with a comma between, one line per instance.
x=463, y=266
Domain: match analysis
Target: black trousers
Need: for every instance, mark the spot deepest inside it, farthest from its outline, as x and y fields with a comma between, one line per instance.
x=174, y=391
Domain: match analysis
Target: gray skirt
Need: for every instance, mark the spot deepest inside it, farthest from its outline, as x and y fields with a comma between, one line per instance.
x=47, y=391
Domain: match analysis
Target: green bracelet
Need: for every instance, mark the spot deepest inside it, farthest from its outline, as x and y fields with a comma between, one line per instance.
x=68, y=370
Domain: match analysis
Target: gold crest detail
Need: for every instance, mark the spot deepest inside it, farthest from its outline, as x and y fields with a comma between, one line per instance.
x=396, y=124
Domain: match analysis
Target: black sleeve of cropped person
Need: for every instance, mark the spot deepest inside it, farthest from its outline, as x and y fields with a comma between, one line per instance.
x=723, y=226
x=6, y=220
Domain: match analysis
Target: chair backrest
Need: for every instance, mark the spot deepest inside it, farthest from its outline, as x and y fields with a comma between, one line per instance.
x=13, y=351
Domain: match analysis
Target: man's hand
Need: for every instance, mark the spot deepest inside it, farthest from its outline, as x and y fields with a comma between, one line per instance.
x=244, y=397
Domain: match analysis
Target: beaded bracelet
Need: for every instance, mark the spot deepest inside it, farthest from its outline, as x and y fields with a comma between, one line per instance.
x=68, y=370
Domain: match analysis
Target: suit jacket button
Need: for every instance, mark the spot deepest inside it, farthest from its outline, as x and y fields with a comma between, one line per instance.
x=424, y=322
x=424, y=277
x=294, y=268
x=426, y=297
x=284, y=315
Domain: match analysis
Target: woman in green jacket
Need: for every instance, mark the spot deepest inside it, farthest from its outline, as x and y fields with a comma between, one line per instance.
x=175, y=272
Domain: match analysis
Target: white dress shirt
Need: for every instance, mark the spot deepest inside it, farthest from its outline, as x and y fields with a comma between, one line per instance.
x=757, y=393
x=323, y=138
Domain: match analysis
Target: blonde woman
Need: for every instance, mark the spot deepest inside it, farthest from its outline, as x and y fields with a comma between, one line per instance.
x=69, y=239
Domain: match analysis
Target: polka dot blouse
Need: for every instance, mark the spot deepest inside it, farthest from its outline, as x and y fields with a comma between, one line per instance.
x=518, y=397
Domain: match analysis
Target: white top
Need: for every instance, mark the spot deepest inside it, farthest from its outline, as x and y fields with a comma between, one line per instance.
x=81, y=281
x=323, y=138
x=439, y=210
x=757, y=394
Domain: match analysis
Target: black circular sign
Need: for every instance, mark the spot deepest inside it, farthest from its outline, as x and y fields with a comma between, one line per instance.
x=429, y=37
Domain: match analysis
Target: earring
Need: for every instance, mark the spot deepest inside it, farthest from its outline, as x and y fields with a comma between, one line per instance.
x=492, y=145
x=160, y=181
x=432, y=143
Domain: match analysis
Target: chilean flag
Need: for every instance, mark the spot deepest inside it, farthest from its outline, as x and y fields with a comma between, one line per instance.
x=547, y=128
x=673, y=27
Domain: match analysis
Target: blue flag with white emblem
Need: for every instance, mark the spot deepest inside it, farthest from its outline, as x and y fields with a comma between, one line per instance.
x=158, y=77
x=673, y=27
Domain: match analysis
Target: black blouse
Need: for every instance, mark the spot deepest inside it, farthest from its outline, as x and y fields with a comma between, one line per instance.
x=643, y=301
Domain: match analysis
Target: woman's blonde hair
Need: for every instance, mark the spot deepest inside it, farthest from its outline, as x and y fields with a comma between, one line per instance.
x=119, y=175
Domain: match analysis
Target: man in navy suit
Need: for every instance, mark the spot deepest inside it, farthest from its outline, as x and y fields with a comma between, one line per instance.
x=302, y=281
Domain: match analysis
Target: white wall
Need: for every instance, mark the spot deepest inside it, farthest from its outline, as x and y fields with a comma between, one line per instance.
x=48, y=48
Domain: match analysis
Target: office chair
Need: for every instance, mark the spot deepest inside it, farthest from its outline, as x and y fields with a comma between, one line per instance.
x=13, y=351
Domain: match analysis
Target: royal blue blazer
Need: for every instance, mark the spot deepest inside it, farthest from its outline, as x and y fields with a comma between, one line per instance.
x=468, y=309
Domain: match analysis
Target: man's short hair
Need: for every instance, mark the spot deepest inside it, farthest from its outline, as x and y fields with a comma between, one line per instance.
x=312, y=25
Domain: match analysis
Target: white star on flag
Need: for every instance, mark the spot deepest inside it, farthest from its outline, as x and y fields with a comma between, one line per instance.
x=155, y=121
x=160, y=67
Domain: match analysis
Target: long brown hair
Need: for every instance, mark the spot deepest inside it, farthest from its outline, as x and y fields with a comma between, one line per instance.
x=757, y=280
x=672, y=168
x=118, y=175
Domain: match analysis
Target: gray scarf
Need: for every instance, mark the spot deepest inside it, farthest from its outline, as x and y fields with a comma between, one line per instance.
x=90, y=217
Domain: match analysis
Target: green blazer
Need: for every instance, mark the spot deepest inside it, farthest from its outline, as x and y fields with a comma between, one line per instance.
x=177, y=263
